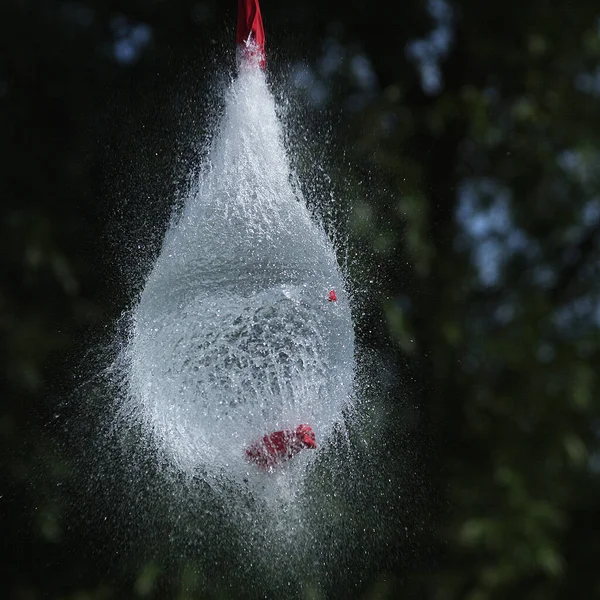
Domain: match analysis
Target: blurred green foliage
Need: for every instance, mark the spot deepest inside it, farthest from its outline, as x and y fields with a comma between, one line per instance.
x=473, y=194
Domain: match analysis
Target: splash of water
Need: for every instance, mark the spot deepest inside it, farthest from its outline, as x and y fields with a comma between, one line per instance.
x=234, y=335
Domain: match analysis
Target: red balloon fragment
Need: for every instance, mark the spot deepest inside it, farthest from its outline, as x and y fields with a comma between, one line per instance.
x=280, y=446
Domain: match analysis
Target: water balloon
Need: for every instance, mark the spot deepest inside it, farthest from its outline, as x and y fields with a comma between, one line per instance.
x=233, y=338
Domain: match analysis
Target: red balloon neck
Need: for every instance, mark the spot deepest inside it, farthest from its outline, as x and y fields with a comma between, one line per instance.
x=250, y=36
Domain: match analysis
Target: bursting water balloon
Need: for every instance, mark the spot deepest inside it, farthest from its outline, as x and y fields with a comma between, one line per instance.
x=234, y=377
x=238, y=331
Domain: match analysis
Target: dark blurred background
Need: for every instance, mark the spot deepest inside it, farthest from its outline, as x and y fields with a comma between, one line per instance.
x=464, y=139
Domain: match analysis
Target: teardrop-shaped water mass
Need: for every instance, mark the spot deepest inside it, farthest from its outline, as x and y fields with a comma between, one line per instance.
x=234, y=335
